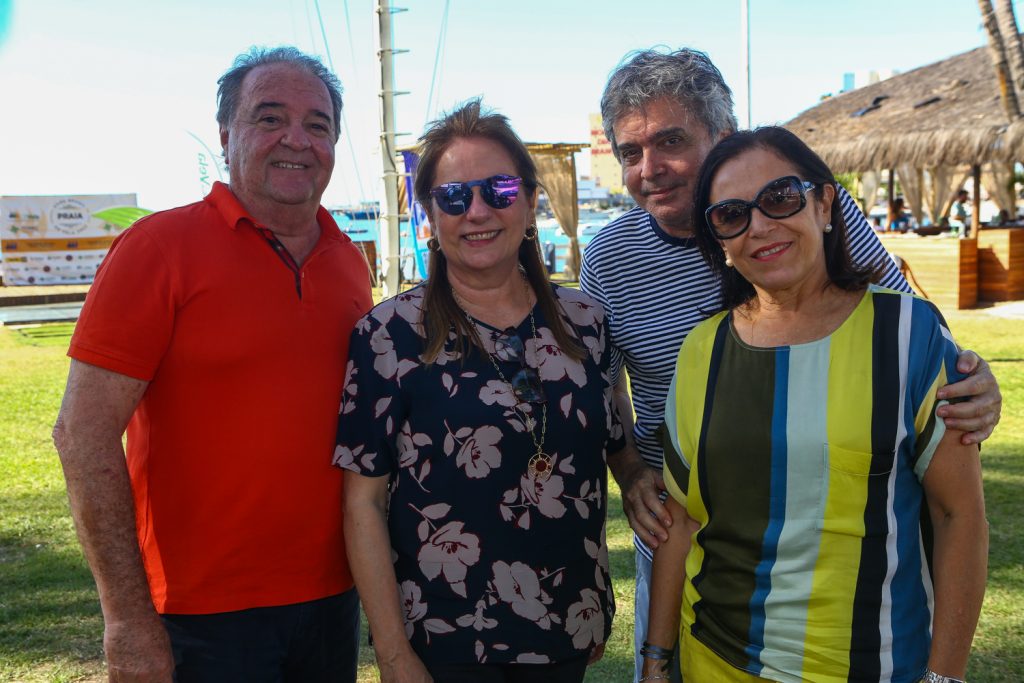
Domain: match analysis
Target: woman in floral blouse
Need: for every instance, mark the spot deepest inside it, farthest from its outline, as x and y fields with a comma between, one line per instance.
x=474, y=428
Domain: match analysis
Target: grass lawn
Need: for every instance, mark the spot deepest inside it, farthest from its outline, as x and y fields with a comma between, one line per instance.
x=50, y=625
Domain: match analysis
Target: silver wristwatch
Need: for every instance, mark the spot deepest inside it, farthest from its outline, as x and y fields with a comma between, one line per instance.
x=932, y=677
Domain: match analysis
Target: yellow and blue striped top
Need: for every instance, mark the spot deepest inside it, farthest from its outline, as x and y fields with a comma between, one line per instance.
x=803, y=466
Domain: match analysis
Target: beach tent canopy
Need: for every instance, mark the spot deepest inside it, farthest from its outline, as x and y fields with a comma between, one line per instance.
x=556, y=169
x=940, y=115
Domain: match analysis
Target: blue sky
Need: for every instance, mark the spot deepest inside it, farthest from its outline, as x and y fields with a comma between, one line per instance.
x=105, y=96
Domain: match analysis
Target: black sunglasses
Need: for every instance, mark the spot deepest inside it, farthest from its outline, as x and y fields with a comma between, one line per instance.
x=781, y=198
x=498, y=192
x=526, y=384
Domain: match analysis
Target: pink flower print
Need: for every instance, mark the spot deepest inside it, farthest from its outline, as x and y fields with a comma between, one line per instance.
x=449, y=551
x=585, y=620
x=596, y=345
x=477, y=620
x=579, y=310
x=348, y=403
x=479, y=453
x=409, y=445
x=552, y=364
x=345, y=457
x=386, y=363
x=544, y=494
x=444, y=357
x=497, y=391
x=519, y=586
x=532, y=658
x=413, y=607
x=407, y=306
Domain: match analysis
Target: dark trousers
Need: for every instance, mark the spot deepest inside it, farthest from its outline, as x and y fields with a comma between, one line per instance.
x=315, y=642
x=570, y=671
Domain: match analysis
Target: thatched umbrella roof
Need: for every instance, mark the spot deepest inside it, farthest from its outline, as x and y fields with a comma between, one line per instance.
x=946, y=113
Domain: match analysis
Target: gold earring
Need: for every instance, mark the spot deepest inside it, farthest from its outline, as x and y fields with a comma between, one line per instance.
x=433, y=244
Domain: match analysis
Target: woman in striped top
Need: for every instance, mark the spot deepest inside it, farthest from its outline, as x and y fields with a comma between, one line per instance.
x=832, y=529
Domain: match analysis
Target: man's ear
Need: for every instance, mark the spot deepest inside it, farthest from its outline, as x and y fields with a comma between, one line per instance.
x=224, y=143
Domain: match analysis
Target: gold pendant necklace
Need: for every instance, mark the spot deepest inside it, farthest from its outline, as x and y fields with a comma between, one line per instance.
x=540, y=464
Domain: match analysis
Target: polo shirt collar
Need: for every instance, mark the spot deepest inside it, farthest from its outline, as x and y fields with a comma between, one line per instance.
x=224, y=200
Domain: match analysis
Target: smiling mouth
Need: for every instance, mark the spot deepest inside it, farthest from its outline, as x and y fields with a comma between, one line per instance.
x=771, y=251
x=658, y=192
x=479, y=236
x=288, y=165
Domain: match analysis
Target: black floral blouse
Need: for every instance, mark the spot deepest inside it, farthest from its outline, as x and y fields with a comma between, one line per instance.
x=494, y=564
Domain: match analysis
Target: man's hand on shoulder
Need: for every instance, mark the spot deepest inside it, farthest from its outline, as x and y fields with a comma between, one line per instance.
x=138, y=651
x=978, y=415
x=641, y=487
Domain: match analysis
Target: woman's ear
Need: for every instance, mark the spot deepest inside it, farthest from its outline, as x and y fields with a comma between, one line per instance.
x=828, y=195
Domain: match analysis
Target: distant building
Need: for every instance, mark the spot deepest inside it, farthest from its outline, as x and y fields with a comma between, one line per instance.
x=858, y=79
x=587, y=190
x=604, y=168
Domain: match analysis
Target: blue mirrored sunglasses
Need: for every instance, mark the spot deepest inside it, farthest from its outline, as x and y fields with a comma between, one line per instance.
x=498, y=192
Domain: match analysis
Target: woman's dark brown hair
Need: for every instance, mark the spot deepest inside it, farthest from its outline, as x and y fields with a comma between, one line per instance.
x=440, y=310
x=736, y=289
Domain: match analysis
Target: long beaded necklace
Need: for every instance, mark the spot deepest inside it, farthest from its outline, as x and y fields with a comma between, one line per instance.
x=540, y=464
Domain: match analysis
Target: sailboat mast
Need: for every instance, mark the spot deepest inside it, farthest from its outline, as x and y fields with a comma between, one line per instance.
x=389, y=233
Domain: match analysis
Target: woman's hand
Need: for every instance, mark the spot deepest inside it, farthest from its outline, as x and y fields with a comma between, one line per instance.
x=404, y=667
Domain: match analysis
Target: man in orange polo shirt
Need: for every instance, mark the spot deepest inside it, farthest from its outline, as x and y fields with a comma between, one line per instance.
x=218, y=334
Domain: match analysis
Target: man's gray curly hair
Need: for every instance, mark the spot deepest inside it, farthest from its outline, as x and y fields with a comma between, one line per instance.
x=684, y=75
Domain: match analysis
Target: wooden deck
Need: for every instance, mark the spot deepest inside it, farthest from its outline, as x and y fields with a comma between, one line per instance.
x=943, y=269
x=1001, y=264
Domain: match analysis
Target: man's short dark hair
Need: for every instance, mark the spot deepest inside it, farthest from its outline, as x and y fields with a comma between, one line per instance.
x=229, y=86
x=685, y=76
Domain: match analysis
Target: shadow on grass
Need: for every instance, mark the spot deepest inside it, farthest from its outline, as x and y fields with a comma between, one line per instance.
x=49, y=609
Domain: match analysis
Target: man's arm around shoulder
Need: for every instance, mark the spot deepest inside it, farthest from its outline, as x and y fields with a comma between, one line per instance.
x=94, y=413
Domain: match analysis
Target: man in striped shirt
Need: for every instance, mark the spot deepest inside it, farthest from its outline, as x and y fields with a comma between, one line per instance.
x=663, y=112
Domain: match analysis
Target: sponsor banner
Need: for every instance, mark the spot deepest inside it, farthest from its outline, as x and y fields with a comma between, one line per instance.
x=418, y=219
x=49, y=240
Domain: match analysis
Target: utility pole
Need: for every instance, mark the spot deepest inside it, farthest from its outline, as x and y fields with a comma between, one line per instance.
x=745, y=54
x=389, y=220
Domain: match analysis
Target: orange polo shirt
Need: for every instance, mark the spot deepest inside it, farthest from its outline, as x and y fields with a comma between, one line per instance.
x=229, y=450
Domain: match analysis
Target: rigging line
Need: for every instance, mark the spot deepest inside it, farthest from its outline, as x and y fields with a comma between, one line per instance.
x=344, y=118
x=323, y=33
x=309, y=26
x=441, y=35
x=440, y=69
x=351, y=44
x=352, y=153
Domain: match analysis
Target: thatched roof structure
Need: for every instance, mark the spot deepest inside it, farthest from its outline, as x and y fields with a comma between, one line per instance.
x=943, y=114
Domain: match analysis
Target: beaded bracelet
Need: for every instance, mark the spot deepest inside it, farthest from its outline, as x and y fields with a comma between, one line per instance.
x=655, y=677
x=655, y=652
